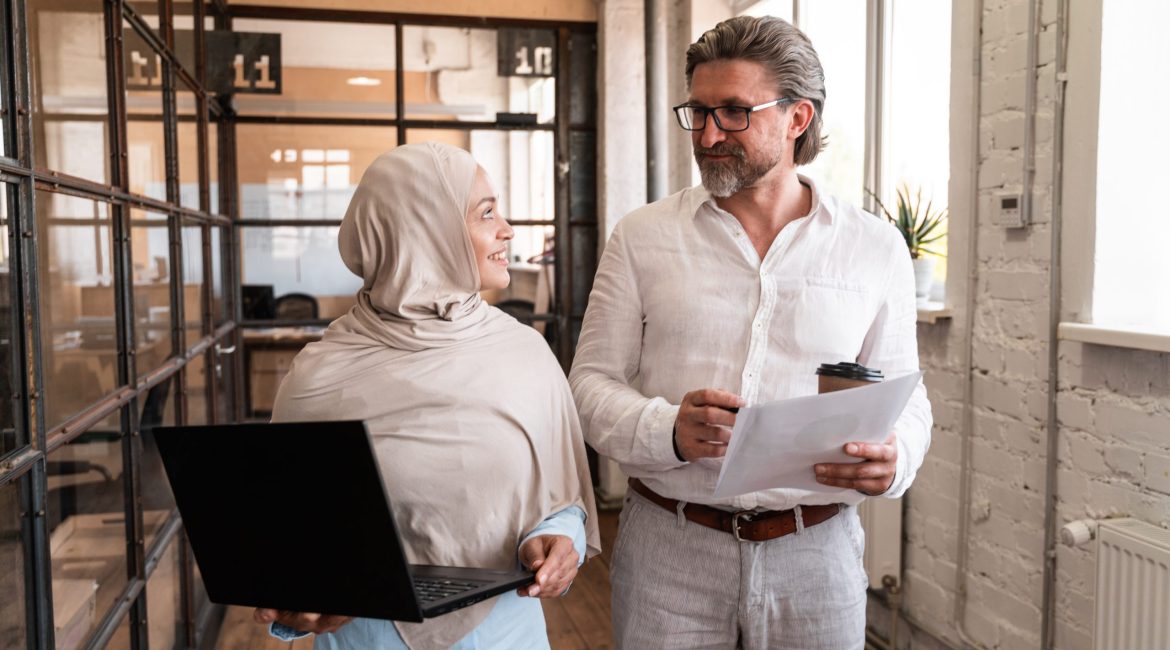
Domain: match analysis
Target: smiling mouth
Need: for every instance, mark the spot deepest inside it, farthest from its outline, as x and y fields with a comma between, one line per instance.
x=499, y=257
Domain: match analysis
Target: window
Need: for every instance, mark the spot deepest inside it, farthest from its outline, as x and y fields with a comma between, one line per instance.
x=907, y=137
x=1132, y=231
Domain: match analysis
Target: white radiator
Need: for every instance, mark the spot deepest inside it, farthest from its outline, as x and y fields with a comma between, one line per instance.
x=882, y=521
x=1133, y=586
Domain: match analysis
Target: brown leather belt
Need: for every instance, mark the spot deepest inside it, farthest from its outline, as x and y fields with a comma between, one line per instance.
x=745, y=525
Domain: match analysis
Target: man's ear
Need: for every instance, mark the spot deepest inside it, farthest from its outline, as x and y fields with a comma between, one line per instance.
x=803, y=112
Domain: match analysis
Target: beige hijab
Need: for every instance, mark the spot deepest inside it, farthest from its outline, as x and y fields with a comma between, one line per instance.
x=471, y=417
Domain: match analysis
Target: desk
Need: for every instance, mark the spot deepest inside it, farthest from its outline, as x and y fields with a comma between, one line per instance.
x=268, y=354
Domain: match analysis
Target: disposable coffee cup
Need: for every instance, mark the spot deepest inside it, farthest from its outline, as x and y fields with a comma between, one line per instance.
x=839, y=376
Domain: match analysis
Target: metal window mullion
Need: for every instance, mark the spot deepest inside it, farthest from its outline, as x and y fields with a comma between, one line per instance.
x=399, y=83
x=564, y=263
x=877, y=62
x=124, y=321
x=26, y=342
x=26, y=339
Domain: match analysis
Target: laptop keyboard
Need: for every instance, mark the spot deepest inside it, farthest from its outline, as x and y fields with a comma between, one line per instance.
x=431, y=589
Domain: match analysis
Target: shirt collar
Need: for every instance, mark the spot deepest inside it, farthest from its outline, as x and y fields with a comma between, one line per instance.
x=820, y=209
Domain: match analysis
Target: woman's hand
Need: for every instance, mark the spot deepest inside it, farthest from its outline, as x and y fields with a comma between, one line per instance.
x=301, y=621
x=554, y=560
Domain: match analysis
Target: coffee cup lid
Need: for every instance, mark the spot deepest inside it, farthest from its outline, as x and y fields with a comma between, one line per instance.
x=850, y=371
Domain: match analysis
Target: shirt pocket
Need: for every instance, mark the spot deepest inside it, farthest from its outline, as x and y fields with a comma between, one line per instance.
x=822, y=318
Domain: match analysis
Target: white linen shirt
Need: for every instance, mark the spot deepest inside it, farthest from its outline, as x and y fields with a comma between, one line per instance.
x=682, y=302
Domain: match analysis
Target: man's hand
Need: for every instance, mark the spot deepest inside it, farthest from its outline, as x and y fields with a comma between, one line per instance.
x=699, y=429
x=872, y=476
x=554, y=560
x=301, y=621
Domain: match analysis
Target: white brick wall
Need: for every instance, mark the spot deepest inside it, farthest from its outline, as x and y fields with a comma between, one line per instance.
x=1113, y=406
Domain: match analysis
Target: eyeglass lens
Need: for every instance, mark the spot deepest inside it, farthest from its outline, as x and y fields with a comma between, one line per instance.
x=727, y=118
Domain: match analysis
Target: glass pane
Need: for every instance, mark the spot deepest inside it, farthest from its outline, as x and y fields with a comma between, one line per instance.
x=219, y=292
x=1131, y=243
x=8, y=370
x=156, y=408
x=196, y=392
x=352, y=77
x=5, y=110
x=917, y=143
x=213, y=169
x=193, y=281
x=304, y=172
x=452, y=73
x=188, y=140
x=296, y=260
x=163, y=594
x=12, y=621
x=778, y=8
x=120, y=639
x=837, y=31
x=151, y=251
x=145, y=131
x=520, y=164
x=87, y=533
x=532, y=289
x=79, y=337
x=268, y=354
x=582, y=176
x=68, y=67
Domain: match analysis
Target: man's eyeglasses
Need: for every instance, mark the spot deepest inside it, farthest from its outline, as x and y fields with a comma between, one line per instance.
x=727, y=118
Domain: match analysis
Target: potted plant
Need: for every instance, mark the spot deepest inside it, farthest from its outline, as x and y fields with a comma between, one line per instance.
x=919, y=225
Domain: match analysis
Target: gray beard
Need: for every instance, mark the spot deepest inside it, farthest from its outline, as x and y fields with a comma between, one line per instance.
x=724, y=180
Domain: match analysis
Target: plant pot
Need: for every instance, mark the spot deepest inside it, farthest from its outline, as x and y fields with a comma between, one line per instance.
x=923, y=277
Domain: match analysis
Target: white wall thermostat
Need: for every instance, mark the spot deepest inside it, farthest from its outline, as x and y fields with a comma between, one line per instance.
x=1008, y=210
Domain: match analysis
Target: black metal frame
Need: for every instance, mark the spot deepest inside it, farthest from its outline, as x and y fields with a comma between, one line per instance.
x=24, y=176
x=24, y=468
x=570, y=305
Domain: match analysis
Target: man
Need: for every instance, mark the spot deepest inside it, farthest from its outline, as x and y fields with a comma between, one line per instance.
x=732, y=294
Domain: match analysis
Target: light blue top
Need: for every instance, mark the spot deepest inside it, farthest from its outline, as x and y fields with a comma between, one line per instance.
x=514, y=622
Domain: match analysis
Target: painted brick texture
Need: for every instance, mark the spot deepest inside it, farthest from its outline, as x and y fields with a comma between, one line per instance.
x=1113, y=404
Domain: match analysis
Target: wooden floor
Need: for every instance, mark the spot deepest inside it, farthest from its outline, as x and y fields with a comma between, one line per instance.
x=578, y=621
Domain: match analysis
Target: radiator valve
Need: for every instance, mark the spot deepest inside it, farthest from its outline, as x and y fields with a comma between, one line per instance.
x=1078, y=532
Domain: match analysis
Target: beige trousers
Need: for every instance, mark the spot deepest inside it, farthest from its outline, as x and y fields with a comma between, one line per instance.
x=677, y=584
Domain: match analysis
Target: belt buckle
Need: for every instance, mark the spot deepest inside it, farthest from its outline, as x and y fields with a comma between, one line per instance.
x=746, y=515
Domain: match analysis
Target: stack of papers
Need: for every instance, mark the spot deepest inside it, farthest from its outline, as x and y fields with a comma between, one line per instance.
x=775, y=445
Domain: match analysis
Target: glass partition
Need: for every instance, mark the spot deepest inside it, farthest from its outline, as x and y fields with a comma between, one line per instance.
x=12, y=581
x=187, y=136
x=453, y=73
x=145, y=131
x=151, y=253
x=164, y=602
x=87, y=533
x=9, y=372
x=78, y=331
x=193, y=281
x=69, y=103
x=289, y=171
x=352, y=77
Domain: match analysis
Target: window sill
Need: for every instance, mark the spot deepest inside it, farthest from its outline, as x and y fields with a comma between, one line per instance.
x=1122, y=338
x=931, y=312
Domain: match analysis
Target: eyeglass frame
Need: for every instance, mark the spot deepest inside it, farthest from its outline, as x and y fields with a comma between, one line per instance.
x=709, y=111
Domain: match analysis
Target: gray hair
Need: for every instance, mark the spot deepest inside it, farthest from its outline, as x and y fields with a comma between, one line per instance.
x=785, y=52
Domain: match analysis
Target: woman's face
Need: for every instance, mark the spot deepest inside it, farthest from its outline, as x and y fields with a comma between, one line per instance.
x=489, y=233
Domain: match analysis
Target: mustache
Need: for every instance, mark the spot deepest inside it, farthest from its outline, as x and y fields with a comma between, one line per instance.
x=721, y=149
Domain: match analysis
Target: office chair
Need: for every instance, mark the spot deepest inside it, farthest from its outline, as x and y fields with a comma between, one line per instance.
x=296, y=306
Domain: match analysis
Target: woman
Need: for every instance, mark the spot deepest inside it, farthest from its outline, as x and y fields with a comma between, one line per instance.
x=471, y=417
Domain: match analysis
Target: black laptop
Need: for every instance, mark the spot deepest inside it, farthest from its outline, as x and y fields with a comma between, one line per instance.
x=294, y=516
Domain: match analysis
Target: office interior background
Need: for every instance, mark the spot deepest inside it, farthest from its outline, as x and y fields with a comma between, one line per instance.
x=171, y=184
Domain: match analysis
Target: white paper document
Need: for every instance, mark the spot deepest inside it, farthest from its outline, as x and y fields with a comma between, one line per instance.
x=776, y=445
